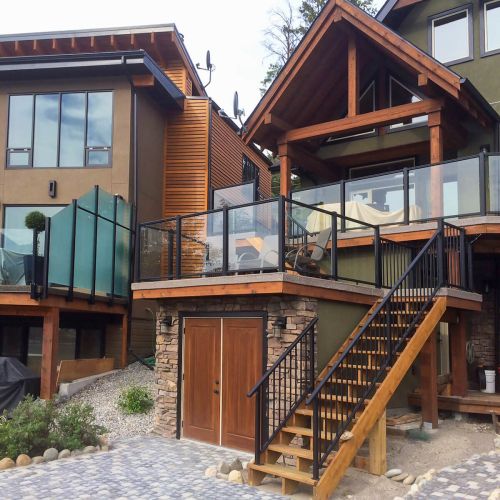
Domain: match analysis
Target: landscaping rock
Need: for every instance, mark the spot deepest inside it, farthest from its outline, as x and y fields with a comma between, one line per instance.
x=223, y=468
x=89, y=449
x=38, y=460
x=236, y=464
x=23, y=460
x=64, y=454
x=495, y=495
x=244, y=475
x=497, y=441
x=211, y=471
x=393, y=472
x=409, y=480
x=244, y=465
x=235, y=477
x=346, y=436
x=104, y=440
x=50, y=454
x=104, y=447
x=76, y=453
x=222, y=476
x=400, y=477
x=7, y=463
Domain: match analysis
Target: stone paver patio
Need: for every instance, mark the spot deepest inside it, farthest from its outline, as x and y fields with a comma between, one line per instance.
x=473, y=479
x=149, y=467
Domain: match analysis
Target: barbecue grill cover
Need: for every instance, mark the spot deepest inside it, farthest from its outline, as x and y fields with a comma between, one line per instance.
x=16, y=381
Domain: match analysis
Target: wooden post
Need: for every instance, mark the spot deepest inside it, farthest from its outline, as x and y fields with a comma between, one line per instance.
x=428, y=380
x=50, y=345
x=437, y=155
x=457, y=336
x=377, y=446
x=353, y=77
x=124, y=346
x=285, y=170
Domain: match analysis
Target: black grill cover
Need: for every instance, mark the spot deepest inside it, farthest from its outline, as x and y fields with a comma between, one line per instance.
x=16, y=381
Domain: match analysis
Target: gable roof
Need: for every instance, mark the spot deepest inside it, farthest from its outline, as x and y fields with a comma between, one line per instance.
x=392, y=5
x=401, y=49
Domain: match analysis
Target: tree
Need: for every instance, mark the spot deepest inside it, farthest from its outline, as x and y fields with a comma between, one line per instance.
x=287, y=29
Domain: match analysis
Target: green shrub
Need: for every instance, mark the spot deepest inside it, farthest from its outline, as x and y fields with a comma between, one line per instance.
x=75, y=427
x=135, y=399
x=35, y=425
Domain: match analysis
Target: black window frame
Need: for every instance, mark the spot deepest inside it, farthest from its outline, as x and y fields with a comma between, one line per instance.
x=482, y=29
x=468, y=8
x=86, y=149
x=245, y=163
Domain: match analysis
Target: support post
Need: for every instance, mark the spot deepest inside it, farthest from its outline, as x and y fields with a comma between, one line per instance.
x=50, y=344
x=428, y=381
x=458, y=359
x=353, y=77
x=377, y=447
x=437, y=154
x=124, y=344
x=285, y=170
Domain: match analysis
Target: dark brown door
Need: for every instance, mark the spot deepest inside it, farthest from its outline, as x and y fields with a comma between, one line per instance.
x=202, y=361
x=241, y=368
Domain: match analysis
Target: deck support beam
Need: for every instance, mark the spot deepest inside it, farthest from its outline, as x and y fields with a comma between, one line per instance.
x=437, y=156
x=457, y=333
x=50, y=345
x=285, y=170
x=377, y=447
x=124, y=344
x=428, y=381
x=353, y=77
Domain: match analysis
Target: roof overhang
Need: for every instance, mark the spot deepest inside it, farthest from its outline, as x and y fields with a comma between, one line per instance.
x=129, y=64
x=392, y=7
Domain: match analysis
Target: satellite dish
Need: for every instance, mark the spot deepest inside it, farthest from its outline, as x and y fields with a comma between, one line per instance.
x=209, y=62
x=236, y=107
x=210, y=67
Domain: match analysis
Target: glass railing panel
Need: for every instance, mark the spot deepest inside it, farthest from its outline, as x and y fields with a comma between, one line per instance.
x=16, y=256
x=320, y=196
x=253, y=234
x=377, y=200
x=157, y=251
x=234, y=195
x=104, y=257
x=201, y=245
x=122, y=262
x=124, y=213
x=446, y=190
x=493, y=183
x=84, y=251
x=106, y=204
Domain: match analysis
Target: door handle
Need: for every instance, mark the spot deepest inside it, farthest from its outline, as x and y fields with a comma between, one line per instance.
x=216, y=391
x=217, y=382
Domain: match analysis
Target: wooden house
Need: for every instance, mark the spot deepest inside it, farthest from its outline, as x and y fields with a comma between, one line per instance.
x=125, y=110
x=364, y=289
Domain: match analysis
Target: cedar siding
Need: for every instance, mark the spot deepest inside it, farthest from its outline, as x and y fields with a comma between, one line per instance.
x=226, y=157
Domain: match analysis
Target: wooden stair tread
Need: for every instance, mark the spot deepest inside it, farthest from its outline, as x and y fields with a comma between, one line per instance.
x=348, y=381
x=324, y=414
x=300, y=431
x=284, y=471
x=342, y=399
x=291, y=450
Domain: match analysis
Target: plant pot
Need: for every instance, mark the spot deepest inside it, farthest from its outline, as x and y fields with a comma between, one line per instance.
x=28, y=270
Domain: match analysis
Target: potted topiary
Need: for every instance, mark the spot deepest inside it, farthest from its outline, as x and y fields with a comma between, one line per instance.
x=36, y=222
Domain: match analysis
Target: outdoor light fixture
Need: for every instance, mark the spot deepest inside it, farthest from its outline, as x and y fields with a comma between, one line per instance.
x=278, y=326
x=168, y=321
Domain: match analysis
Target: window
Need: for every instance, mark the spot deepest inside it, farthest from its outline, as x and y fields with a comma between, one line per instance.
x=491, y=23
x=60, y=130
x=250, y=170
x=16, y=237
x=451, y=36
x=399, y=94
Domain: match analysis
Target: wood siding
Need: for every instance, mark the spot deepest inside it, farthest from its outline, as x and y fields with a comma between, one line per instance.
x=177, y=72
x=227, y=150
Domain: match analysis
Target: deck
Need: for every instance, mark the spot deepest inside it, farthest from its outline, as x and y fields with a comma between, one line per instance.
x=474, y=402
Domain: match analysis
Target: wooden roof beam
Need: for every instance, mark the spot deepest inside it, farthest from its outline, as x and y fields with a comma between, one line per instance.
x=18, y=48
x=352, y=76
x=55, y=45
x=276, y=122
x=309, y=162
x=365, y=121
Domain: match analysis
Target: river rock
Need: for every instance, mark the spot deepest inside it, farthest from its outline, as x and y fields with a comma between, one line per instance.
x=23, y=460
x=400, y=477
x=89, y=449
x=393, y=472
x=38, y=460
x=7, y=463
x=211, y=471
x=223, y=468
x=64, y=454
x=409, y=480
x=236, y=464
x=50, y=454
x=235, y=477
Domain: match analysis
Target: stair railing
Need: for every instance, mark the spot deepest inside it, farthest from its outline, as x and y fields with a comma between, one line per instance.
x=338, y=398
x=283, y=387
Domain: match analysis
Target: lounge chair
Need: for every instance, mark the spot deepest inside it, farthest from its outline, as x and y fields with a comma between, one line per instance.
x=307, y=258
x=267, y=258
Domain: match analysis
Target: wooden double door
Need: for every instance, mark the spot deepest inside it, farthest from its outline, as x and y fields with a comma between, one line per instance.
x=222, y=362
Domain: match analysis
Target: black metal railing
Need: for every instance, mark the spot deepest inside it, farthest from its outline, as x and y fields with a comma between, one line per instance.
x=283, y=387
x=354, y=376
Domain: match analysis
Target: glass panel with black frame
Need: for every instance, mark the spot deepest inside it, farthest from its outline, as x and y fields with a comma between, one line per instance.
x=46, y=130
x=99, y=128
x=72, y=146
x=399, y=94
x=450, y=189
x=450, y=37
x=20, y=130
x=493, y=183
x=254, y=237
x=492, y=26
x=327, y=197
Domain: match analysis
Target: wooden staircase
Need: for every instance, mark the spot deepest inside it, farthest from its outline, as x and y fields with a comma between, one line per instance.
x=312, y=434
x=293, y=445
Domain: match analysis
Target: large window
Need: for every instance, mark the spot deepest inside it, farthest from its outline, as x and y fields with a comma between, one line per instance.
x=451, y=36
x=60, y=130
x=491, y=23
x=399, y=95
x=250, y=171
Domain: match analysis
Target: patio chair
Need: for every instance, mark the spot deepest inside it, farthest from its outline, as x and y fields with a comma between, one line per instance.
x=267, y=258
x=307, y=258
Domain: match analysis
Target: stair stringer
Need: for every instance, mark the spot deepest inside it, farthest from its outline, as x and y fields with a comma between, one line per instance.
x=377, y=405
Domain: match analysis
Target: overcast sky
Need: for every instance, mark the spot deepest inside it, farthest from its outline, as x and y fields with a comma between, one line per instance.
x=231, y=29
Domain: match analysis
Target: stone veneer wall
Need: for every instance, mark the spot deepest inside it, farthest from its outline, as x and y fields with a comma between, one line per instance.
x=298, y=311
x=482, y=333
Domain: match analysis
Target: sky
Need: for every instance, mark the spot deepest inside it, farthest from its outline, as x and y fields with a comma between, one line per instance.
x=233, y=31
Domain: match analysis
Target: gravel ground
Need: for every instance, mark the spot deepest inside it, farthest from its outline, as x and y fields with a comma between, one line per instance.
x=103, y=396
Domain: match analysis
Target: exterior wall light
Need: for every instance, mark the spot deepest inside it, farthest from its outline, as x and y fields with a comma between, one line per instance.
x=278, y=326
x=168, y=321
